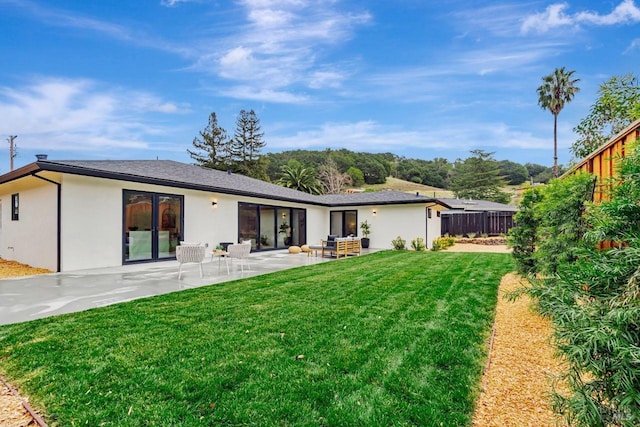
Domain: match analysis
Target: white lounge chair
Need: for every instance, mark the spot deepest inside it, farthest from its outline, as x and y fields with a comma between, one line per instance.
x=190, y=253
x=239, y=251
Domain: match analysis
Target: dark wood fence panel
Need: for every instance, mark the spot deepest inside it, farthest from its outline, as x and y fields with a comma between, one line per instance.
x=491, y=223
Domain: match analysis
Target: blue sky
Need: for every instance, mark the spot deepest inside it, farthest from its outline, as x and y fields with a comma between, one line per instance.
x=424, y=79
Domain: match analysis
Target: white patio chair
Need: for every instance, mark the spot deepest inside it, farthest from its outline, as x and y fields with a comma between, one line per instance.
x=239, y=251
x=190, y=253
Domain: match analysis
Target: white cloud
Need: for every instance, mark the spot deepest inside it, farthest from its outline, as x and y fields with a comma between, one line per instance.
x=282, y=45
x=552, y=17
x=456, y=138
x=555, y=16
x=625, y=12
x=70, y=19
x=327, y=78
x=173, y=3
x=635, y=44
x=278, y=44
x=80, y=114
x=265, y=95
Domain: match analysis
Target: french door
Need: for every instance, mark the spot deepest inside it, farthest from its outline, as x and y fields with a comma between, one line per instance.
x=152, y=225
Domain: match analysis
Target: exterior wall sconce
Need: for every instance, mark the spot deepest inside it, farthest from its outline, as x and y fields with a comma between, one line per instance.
x=374, y=212
x=284, y=215
x=214, y=204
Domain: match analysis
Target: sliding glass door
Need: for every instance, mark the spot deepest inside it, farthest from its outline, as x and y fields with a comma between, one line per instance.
x=271, y=227
x=152, y=225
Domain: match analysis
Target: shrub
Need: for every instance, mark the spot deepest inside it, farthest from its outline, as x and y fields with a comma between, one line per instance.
x=417, y=244
x=561, y=220
x=399, y=244
x=484, y=235
x=471, y=235
x=522, y=237
x=442, y=243
x=593, y=296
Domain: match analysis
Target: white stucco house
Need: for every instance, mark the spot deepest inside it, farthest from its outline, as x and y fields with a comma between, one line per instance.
x=71, y=215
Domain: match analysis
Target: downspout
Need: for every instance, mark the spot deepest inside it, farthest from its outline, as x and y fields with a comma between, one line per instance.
x=59, y=222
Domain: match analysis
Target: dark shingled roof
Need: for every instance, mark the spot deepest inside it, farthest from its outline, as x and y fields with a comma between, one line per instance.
x=374, y=197
x=476, y=205
x=182, y=175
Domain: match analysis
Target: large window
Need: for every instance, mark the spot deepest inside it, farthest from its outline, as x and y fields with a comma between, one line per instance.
x=271, y=227
x=153, y=225
x=344, y=223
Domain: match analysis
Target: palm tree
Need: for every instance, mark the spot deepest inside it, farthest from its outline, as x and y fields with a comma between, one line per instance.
x=557, y=89
x=296, y=176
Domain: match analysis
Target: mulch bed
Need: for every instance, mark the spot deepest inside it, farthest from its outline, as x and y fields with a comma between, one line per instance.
x=12, y=413
x=516, y=385
x=15, y=269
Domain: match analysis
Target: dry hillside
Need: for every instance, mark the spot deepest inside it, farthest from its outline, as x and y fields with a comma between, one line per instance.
x=409, y=187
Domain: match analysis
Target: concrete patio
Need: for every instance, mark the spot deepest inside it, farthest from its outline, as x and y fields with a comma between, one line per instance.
x=34, y=297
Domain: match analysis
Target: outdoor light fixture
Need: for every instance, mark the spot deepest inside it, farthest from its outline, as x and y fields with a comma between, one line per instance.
x=214, y=204
x=374, y=212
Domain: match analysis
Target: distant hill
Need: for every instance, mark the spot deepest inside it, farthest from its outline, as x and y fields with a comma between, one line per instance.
x=408, y=187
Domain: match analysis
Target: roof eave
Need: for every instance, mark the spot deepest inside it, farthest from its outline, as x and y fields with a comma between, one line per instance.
x=21, y=172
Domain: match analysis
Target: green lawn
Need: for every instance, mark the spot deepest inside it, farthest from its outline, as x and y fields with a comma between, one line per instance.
x=391, y=338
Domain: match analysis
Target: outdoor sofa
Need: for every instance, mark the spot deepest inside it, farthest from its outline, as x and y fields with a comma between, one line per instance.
x=338, y=246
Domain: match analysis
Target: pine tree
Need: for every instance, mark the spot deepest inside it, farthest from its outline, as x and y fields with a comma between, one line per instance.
x=212, y=147
x=246, y=145
x=478, y=177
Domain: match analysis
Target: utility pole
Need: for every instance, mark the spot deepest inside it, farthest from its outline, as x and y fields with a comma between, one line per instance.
x=12, y=150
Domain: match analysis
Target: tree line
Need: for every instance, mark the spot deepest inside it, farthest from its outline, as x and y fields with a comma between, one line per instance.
x=332, y=171
x=479, y=176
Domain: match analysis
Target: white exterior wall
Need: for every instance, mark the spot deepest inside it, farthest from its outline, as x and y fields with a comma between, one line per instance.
x=206, y=224
x=317, y=224
x=32, y=239
x=434, y=227
x=93, y=219
x=91, y=223
x=391, y=221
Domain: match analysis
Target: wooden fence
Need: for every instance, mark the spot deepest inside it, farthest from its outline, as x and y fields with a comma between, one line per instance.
x=463, y=223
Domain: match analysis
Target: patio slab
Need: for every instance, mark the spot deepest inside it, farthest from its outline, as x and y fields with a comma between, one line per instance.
x=35, y=297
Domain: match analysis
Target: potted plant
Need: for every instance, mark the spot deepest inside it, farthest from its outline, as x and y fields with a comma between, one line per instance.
x=366, y=230
x=284, y=229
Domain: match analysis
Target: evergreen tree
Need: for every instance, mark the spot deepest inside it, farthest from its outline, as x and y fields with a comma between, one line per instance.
x=357, y=177
x=514, y=173
x=478, y=177
x=212, y=147
x=246, y=145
